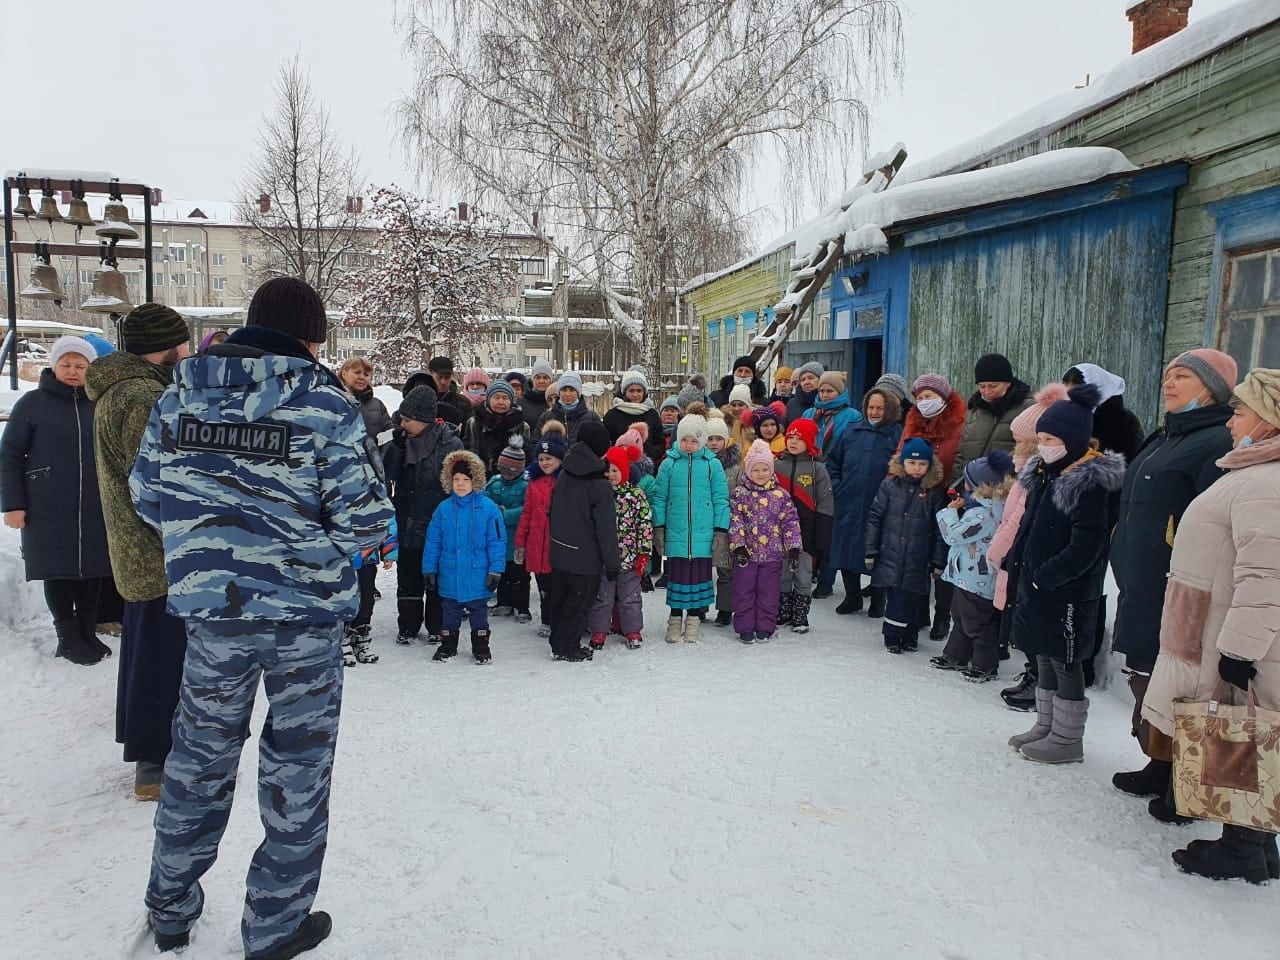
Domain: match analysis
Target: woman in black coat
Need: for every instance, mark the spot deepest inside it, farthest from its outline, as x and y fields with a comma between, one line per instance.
x=634, y=407
x=355, y=375
x=496, y=423
x=1115, y=427
x=1175, y=465
x=1057, y=567
x=49, y=491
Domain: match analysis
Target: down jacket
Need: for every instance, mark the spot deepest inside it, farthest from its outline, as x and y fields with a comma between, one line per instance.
x=1059, y=559
x=584, y=526
x=467, y=538
x=968, y=537
x=805, y=478
x=988, y=425
x=47, y=469
x=691, y=501
x=415, y=488
x=1224, y=587
x=487, y=434
x=533, y=533
x=509, y=497
x=376, y=419
x=856, y=462
x=942, y=431
x=572, y=419
x=764, y=520
x=1174, y=466
x=902, y=529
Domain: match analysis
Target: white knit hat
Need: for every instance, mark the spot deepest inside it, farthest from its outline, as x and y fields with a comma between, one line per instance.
x=64, y=345
x=717, y=426
x=692, y=425
x=741, y=392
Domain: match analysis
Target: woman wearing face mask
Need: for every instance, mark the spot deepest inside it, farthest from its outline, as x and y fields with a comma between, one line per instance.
x=1222, y=609
x=744, y=374
x=474, y=385
x=1176, y=464
x=1057, y=567
x=938, y=416
x=568, y=407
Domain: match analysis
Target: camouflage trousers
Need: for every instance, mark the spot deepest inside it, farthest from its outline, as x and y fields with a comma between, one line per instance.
x=301, y=668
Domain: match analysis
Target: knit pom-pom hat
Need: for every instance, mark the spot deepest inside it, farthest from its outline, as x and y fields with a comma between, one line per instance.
x=806, y=430
x=759, y=452
x=1023, y=426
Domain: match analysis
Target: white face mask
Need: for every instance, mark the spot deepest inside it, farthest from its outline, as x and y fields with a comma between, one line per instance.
x=741, y=381
x=1051, y=454
x=931, y=407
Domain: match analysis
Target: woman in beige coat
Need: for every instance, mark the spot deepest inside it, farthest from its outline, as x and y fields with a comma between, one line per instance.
x=1222, y=606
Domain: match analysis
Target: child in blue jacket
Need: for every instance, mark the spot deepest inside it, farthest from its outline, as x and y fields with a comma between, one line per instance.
x=465, y=554
x=967, y=524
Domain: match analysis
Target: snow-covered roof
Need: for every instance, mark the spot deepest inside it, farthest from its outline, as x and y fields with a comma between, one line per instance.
x=210, y=313
x=37, y=173
x=1197, y=41
x=53, y=326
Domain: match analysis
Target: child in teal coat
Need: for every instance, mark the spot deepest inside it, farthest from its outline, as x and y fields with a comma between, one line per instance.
x=507, y=489
x=691, y=524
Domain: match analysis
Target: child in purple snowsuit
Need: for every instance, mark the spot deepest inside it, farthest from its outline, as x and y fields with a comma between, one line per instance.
x=635, y=544
x=764, y=532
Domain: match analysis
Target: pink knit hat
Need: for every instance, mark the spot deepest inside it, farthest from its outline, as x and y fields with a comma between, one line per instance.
x=759, y=452
x=932, y=381
x=1023, y=425
x=631, y=438
x=475, y=375
x=1216, y=370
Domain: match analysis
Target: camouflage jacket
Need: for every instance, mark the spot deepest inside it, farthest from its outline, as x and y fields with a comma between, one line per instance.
x=258, y=472
x=125, y=388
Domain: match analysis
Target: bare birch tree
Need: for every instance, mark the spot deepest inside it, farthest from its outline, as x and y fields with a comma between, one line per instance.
x=620, y=122
x=301, y=193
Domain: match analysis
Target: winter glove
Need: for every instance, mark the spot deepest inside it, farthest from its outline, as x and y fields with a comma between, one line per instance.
x=659, y=541
x=491, y=581
x=429, y=581
x=641, y=565
x=1238, y=673
x=720, y=549
x=793, y=559
x=519, y=556
x=611, y=575
x=398, y=438
x=870, y=562
x=741, y=556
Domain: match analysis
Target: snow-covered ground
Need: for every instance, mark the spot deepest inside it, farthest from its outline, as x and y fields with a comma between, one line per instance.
x=810, y=798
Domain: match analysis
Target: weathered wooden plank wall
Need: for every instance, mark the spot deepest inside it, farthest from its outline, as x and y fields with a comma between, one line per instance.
x=1085, y=286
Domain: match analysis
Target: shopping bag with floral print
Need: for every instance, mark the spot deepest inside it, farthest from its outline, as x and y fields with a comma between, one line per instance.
x=1226, y=761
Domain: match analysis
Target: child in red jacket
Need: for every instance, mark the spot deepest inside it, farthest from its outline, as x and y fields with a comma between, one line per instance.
x=533, y=534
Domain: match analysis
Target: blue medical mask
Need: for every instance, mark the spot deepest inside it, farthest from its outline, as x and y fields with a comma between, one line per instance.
x=571, y=406
x=874, y=421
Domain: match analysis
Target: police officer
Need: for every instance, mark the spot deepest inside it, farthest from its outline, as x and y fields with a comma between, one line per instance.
x=258, y=473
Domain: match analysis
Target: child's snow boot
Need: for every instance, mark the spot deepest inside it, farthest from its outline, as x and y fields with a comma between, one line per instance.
x=800, y=614
x=523, y=616
x=692, y=628
x=502, y=610
x=675, y=628
x=448, y=645
x=544, y=631
x=358, y=646
x=943, y=662
x=762, y=637
x=597, y=641
x=480, y=646
x=974, y=675
x=1239, y=855
x=1022, y=695
x=724, y=618
x=1043, y=724
x=747, y=637
x=1065, y=742
x=634, y=640
x=404, y=639
x=786, y=609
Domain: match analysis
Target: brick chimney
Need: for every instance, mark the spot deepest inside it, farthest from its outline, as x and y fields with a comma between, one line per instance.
x=1153, y=20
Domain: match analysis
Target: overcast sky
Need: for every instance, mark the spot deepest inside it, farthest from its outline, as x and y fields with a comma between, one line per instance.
x=172, y=93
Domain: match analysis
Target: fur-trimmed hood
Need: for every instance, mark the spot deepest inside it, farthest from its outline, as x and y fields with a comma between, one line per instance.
x=474, y=465
x=892, y=408
x=949, y=423
x=1095, y=469
x=933, y=478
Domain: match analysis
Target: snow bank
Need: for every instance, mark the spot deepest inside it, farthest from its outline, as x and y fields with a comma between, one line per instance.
x=23, y=604
x=1196, y=42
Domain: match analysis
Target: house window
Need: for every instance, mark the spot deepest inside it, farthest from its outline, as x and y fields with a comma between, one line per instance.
x=177, y=254
x=1249, y=316
x=180, y=279
x=246, y=259
x=158, y=280
x=86, y=276
x=219, y=259
x=533, y=267
x=219, y=283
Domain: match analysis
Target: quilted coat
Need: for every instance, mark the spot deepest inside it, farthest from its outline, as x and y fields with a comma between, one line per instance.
x=466, y=540
x=584, y=528
x=902, y=529
x=764, y=520
x=1224, y=587
x=691, y=501
x=1014, y=506
x=1059, y=559
x=533, y=533
x=856, y=462
x=968, y=537
x=415, y=488
x=635, y=523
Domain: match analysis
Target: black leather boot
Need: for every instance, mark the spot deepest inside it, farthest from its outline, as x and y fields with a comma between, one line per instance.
x=1239, y=855
x=480, y=646
x=1150, y=781
x=852, y=601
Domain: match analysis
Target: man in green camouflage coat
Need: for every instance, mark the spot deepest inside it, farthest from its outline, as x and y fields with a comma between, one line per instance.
x=258, y=473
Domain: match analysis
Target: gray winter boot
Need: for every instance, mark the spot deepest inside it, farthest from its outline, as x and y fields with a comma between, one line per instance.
x=675, y=628
x=1065, y=742
x=692, y=628
x=1044, y=721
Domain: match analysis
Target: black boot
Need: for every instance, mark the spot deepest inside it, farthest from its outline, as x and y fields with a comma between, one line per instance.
x=821, y=592
x=1162, y=806
x=1239, y=855
x=942, y=591
x=1022, y=695
x=852, y=601
x=875, y=609
x=800, y=614
x=448, y=645
x=1150, y=781
x=166, y=942
x=310, y=934
x=724, y=618
x=89, y=633
x=71, y=645
x=786, y=609
x=480, y=646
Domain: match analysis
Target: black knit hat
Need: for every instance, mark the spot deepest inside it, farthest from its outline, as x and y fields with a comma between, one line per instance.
x=153, y=328
x=993, y=368
x=1071, y=420
x=744, y=362
x=290, y=306
x=420, y=405
x=595, y=436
